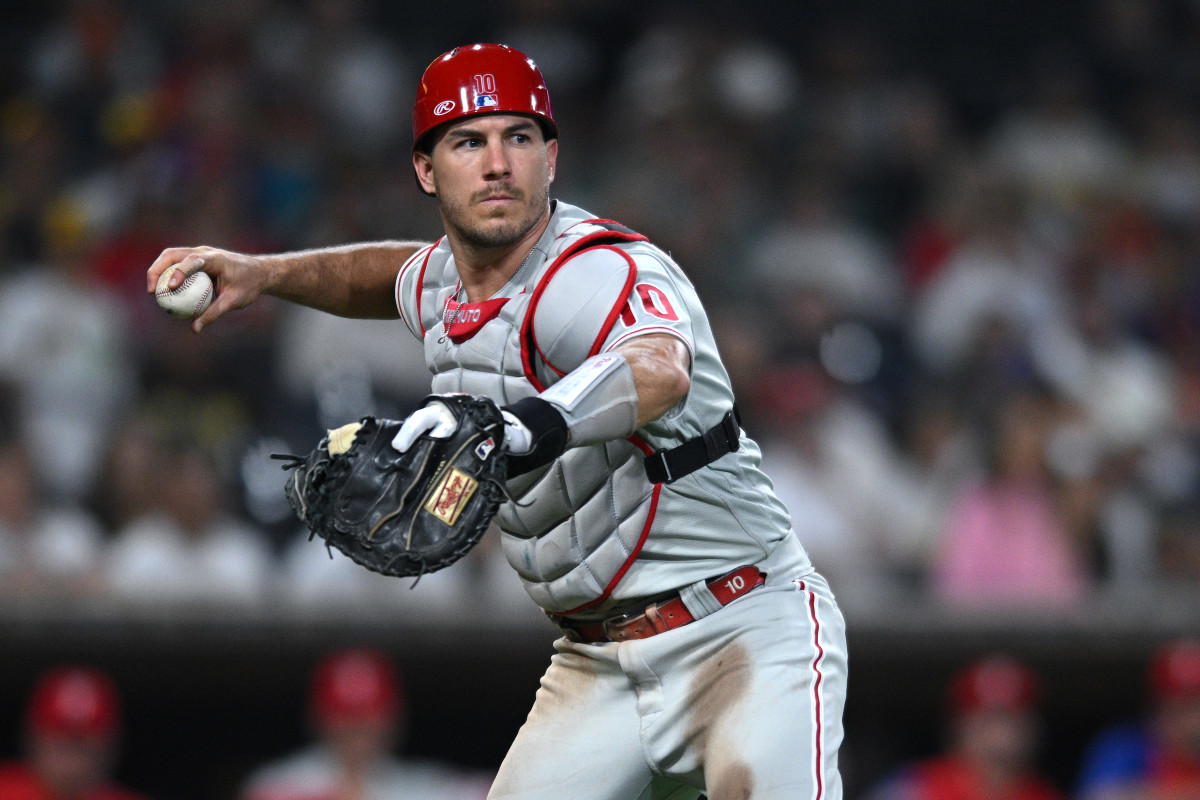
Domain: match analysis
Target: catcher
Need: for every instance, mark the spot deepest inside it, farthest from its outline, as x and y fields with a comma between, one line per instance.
x=700, y=650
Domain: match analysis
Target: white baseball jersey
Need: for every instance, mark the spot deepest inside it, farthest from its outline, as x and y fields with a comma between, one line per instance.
x=744, y=701
x=592, y=530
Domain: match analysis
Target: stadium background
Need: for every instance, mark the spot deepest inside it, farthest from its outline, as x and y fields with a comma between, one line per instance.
x=846, y=151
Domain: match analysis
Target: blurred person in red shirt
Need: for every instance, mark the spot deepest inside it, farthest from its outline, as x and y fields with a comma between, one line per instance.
x=72, y=730
x=993, y=738
x=358, y=716
x=1157, y=758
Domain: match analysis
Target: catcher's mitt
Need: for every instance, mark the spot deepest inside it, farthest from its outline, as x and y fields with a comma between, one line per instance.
x=408, y=513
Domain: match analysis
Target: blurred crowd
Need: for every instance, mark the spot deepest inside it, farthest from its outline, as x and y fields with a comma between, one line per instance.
x=966, y=332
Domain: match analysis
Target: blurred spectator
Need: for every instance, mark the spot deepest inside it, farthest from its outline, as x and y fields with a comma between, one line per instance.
x=128, y=485
x=815, y=248
x=189, y=546
x=1005, y=542
x=1168, y=172
x=320, y=579
x=996, y=274
x=1057, y=148
x=314, y=576
x=358, y=717
x=992, y=741
x=683, y=88
x=835, y=467
x=348, y=368
x=1157, y=758
x=1179, y=549
x=72, y=731
x=334, y=47
x=63, y=347
x=45, y=549
x=941, y=455
x=1123, y=385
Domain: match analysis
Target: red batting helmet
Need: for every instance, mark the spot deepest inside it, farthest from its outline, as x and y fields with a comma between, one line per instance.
x=356, y=685
x=74, y=701
x=995, y=683
x=480, y=79
x=1175, y=670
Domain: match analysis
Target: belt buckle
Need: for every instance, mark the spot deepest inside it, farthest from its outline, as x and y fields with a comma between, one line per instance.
x=616, y=620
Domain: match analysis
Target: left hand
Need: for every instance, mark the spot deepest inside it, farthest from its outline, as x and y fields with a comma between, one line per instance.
x=434, y=419
x=518, y=439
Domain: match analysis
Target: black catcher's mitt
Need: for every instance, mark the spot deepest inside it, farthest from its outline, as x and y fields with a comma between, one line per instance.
x=408, y=513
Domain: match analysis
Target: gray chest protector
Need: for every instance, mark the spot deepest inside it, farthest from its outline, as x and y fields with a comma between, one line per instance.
x=580, y=521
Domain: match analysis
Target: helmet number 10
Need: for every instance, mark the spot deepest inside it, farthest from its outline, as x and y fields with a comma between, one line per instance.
x=485, y=83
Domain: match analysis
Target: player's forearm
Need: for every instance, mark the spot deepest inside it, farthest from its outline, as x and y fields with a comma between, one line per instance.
x=660, y=373
x=350, y=281
x=607, y=397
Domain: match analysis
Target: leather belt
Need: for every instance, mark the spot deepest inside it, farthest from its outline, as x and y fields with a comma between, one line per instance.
x=660, y=617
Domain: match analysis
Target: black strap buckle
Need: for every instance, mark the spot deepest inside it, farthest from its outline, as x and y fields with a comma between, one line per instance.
x=667, y=466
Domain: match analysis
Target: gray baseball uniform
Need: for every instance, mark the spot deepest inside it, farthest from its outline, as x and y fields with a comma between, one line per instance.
x=747, y=699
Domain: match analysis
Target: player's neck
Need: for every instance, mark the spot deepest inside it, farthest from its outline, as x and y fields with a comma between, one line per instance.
x=485, y=271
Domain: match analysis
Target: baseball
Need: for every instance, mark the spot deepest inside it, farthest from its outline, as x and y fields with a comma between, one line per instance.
x=189, y=299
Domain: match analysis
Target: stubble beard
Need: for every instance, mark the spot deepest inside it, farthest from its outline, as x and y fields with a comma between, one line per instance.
x=485, y=237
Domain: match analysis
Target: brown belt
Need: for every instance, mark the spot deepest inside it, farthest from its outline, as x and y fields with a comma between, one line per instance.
x=660, y=617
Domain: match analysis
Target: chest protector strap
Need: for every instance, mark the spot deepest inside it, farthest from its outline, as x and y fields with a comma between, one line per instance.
x=667, y=466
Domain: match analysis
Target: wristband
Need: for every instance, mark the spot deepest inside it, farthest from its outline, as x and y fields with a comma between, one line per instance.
x=549, y=431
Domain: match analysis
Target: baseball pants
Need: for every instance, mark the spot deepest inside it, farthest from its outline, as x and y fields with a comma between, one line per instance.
x=745, y=702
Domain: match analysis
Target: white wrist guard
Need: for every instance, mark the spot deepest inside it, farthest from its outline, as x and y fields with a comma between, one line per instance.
x=597, y=399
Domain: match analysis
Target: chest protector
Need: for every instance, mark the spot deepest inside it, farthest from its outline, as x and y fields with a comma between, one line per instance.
x=581, y=521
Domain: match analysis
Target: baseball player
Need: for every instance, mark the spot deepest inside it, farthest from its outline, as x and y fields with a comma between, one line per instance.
x=72, y=738
x=700, y=651
x=993, y=730
x=357, y=714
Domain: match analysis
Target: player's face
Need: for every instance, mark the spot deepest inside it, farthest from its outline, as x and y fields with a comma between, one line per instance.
x=359, y=743
x=491, y=175
x=1003, y=739
x=72, y=766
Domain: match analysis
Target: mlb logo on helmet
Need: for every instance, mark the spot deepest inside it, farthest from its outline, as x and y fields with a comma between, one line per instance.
x=485, y=101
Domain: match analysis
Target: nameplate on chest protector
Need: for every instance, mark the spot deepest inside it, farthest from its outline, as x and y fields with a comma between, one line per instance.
x=463, y=320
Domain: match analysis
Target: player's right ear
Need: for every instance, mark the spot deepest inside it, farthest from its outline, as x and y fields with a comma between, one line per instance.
x=423, y=167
